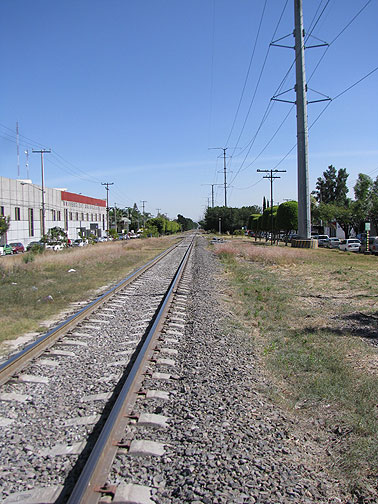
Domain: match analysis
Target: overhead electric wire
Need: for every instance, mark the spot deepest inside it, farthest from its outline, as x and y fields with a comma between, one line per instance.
x=248, y=71
x=267, y=111
x=324, y=109
x=258, y=83
x=270, y=105
x=337, y=36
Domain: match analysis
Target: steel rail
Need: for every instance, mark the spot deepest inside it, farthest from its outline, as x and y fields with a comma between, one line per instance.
x=90, y=483
x=18, y=361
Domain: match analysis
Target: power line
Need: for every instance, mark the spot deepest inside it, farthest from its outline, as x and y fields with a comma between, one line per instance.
x=247, y=75
x=258, y=83
x=269, y=107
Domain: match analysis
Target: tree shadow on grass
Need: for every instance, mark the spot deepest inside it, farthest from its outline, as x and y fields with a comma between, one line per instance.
x=358, y=324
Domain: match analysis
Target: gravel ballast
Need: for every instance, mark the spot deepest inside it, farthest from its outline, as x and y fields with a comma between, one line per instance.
x=226, y=441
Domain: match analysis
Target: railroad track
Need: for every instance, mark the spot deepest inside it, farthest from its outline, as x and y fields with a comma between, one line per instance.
x=64, y=415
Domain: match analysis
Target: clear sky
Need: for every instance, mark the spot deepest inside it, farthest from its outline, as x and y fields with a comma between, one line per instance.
x=135, y=92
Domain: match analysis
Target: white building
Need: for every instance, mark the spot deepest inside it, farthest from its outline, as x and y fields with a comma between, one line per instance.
x=22, y=202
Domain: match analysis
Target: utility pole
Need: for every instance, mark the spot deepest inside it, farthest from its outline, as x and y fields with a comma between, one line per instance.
x=212, y=193
x=224, y=171
x=158, y=211
x=271, y=177
x=144, y=217
x=304, y=217
x=107, y=184
x=42, y=151
x=18, y=150
x=115, y=215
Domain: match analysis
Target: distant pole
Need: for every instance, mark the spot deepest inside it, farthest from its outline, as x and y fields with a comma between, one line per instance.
x=304, y=217
x=220, y=225
x=271, y=177
x=158, y=211
x=42, y=151
x=144, y=217
x=212, y=193
x=115, y=215
x=224, y=172
x=27, y=163
x=107, y=184
x=18, y=151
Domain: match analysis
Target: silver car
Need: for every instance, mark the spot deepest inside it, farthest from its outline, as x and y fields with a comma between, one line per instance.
x=332, y=243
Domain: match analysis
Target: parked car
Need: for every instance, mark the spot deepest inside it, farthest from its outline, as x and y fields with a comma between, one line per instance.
x=363, y=243
x=54, y=246
x=322, y=240
x=350, y=245
x=17, y=247
x=35, y=245
x=374, y=247
x=332, y=243
x=6, y=250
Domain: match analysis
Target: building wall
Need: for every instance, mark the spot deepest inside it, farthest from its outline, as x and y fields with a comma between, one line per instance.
x=22, y=202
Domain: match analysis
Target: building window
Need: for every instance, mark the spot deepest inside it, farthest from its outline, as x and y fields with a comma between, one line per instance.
x=82, y=216
x=87, y=216
x=70, y=215
x=95, y=217
x=53, y=215
x=31, y=221
x=17, y=213
x=59, y=215
x=2, y=213
x=66, y=219
x=77, y=216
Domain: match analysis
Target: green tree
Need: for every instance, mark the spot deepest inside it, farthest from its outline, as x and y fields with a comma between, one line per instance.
x=287, y=217
x=185, y=223
x=4, y=225
x=363, y=204
x=55, y=235
x=331, y=187
x=231, y=218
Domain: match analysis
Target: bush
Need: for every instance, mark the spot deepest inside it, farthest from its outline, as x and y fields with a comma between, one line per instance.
x=239, y=232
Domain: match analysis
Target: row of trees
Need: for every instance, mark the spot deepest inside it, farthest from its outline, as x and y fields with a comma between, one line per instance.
x=280, y=218
x=229, y=219
x=332, y=206
x=152, y=226
x=283, y=217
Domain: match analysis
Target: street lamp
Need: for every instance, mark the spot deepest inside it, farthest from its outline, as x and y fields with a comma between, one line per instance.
x=43, y=204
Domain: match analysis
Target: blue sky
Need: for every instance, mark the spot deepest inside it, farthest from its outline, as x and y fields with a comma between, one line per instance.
x=135, y=92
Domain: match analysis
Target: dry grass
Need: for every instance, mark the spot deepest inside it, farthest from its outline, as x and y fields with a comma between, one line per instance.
x=263, y=254
x=101, y=252
x=38, y=290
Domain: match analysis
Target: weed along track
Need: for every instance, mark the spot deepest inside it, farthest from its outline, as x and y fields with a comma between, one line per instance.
x=54, y=407
x=161, y=395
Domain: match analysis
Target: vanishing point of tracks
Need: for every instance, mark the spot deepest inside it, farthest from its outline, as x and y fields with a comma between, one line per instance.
x=66, y=400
